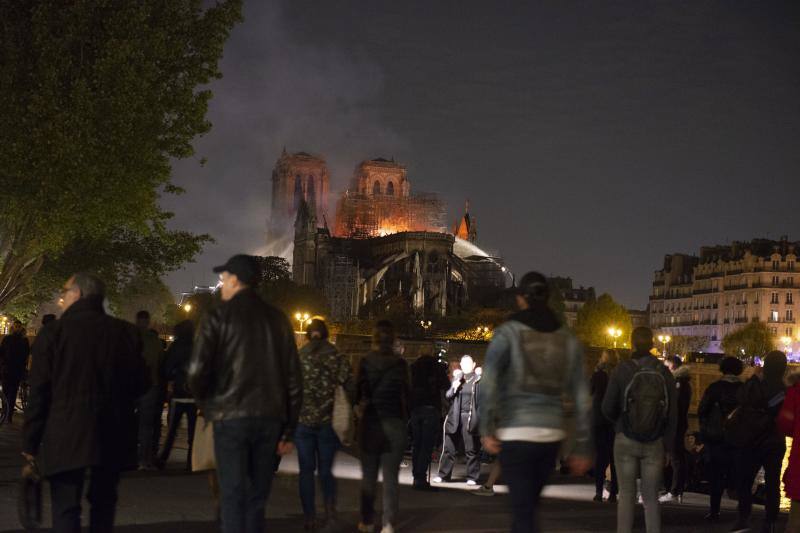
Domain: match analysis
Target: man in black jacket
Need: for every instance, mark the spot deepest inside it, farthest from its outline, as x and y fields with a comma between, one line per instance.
x=14, y=351
x=428, y=382
x=245, y=375
x=719, y=400
x=462, y=423
x=87, y=374
x=679, y=458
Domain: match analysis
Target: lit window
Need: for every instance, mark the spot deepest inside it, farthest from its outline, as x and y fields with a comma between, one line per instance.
x=774, y=316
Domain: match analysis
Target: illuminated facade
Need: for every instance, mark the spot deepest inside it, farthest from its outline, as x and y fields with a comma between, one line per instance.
x=727, y=287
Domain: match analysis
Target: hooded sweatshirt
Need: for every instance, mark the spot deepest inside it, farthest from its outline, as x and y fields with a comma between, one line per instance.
x=531, y=364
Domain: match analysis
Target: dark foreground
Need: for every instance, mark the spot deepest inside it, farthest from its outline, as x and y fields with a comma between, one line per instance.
x=174, y=501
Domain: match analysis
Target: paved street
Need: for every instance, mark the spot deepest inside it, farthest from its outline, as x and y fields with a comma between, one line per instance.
x=175, y=501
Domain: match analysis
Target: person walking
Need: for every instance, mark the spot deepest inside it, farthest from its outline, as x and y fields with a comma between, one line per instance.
x=641, y=402
x=678, y=459
x=382, y=399
x=150, y=403
x=14, y=352
x=789, y=424
x=176, y=368
x=718, y=402
x=533, y=364
x=603, y=429
x=461, y=424
x=324, y=369
x=245, y=375
x=428, y=383
x=86, y=377
x=762, y=445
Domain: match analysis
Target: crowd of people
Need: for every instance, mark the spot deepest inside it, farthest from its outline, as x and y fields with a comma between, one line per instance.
x=98, y=386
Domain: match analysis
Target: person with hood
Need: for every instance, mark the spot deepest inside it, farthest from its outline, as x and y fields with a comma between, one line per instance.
x=760, y=401
x=718, y=402
x=603, y=429
x=324, y=369
x=640, y=400
x=461, y=424
x=789, y=425
x=176, y=367
x=382, y=398
x=533, y=364
x=678, y=459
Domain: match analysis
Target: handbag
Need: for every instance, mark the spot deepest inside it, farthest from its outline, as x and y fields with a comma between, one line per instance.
x=342, y=416
x=203, y=446
x=29, y=499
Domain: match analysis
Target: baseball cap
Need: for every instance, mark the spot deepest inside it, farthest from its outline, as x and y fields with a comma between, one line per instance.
x=245, y=267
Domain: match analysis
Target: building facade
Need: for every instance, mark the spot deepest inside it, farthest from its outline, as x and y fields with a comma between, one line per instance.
x=726, y=287
x=574, y=298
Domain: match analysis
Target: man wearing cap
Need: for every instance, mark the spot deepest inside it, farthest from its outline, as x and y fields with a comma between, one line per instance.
x=245, y=375
x=532, y=365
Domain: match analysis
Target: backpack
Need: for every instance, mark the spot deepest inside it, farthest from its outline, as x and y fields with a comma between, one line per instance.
x=712, y=427
x=644, y=414
x=747, y=425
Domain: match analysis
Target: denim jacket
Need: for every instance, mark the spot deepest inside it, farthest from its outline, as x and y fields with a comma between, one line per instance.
x=527, y=377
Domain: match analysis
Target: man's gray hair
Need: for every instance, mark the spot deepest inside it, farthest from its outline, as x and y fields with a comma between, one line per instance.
x=89, y=285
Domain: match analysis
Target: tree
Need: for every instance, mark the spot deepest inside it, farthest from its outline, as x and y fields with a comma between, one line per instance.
x=595, y=318
x=684, y=345
x=753, y=340
x=280, y=290
x=151, y=295
x=96, y=99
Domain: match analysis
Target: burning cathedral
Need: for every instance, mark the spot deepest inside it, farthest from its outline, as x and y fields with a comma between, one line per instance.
x=385, y=246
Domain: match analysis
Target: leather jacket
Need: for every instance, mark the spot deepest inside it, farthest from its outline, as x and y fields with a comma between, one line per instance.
x=245, y=365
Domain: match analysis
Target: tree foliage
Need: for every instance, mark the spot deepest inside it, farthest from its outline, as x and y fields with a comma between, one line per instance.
x=595, y=318
x=684, y=345
x=96, y=99
x=278, y=289
x=752, y=340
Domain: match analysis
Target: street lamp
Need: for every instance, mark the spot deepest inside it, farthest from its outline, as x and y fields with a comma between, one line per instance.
x=664, y=340
x=302, y=319
x=615, y=333
x=787, y=344
x=187, y=307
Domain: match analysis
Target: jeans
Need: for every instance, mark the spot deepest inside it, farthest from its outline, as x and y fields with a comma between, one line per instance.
x=149, y=406
x=425, y=424
x=66, y=491
x=395, y=433
x=679, y=466
x=176, y=411
x=604, y=457
x=526, y=467
x=749, y=461
x=722, y=472
x=472, y=448
x=245, y=451
x=316, y=450
x=638, y=459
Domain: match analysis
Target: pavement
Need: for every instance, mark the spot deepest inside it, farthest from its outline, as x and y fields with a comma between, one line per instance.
x=175, y=501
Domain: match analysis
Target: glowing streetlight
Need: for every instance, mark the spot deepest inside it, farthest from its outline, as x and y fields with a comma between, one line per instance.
x=664, y=340
x=787, y=344
x=187, y=307
x=302, y=319
x=426, y=324
x=615, y=333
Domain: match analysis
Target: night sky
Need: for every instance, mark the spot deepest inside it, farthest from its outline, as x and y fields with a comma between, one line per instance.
x=591, y=138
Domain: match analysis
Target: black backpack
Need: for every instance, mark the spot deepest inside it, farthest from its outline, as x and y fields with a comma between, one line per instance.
x=747, y=425
x=644, y=415
x=712, y=426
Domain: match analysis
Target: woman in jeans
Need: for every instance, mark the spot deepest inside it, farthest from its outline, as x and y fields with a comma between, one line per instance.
x=324, y=369
x=382, y=393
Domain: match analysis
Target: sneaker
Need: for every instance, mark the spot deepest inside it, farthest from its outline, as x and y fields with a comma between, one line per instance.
x=472, y=483
x=671, y=498
x=424, y=486
x=388, y=528
x=439, y=479
x=483, y=490
x=640, y=500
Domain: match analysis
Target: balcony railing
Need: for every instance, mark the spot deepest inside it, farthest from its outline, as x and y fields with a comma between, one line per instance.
x=740, y=320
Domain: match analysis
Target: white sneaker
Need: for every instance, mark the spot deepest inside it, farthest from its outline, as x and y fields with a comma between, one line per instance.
x=639, y=500
x=471, y=483
x=669, y=497
x=438, y=479
x=387, y=529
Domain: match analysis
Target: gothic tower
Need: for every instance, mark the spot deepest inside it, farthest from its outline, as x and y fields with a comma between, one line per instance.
x=297, y=178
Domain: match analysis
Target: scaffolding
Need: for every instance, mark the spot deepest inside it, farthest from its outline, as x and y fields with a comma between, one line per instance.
x=361, y=216
x=340, y=286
